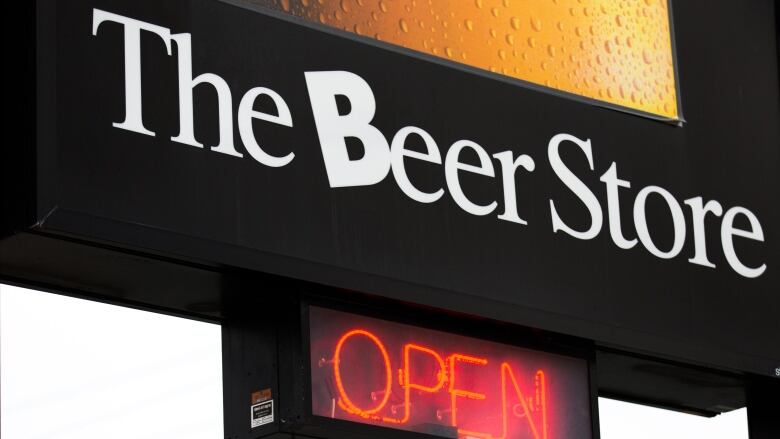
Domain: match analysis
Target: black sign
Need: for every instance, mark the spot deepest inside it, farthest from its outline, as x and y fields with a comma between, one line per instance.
x=287, y=148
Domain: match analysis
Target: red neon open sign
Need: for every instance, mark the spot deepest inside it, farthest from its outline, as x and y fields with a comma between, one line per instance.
x=399, y=376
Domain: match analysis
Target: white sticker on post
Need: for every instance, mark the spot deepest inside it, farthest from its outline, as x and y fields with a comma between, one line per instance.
x=262, y=413
x=261, y=410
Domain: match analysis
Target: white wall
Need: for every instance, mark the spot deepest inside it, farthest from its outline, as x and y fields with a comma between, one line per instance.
x=75, y=369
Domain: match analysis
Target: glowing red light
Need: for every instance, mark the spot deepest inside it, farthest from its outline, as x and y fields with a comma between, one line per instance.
x=443, y=384
x=344, y=402
x=457, y=392
x=506, y=371
x=407, y=373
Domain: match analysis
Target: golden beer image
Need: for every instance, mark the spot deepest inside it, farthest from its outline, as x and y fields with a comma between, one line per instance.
x=615, y=51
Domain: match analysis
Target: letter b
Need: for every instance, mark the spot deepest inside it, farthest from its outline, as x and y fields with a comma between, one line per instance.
x=333, y=128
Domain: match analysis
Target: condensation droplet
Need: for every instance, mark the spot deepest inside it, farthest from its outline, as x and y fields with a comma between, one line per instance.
x=647, y=57
x=515, y=23
x=402, y=24
x=536, y=24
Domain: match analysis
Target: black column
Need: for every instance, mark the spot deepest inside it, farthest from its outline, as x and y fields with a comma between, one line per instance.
x=250, y=364
x=763, y=408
